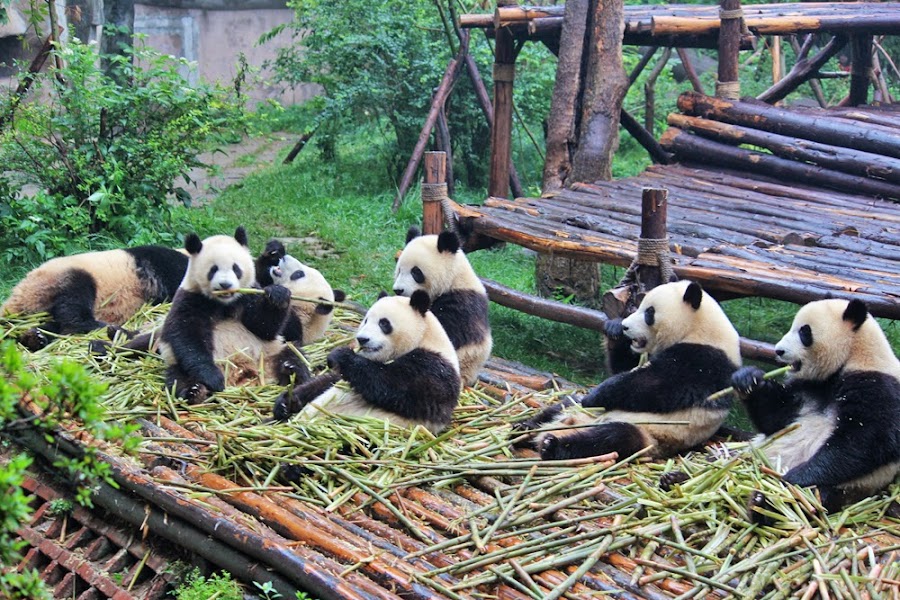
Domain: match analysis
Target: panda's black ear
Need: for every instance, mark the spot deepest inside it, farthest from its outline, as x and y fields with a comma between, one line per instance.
x=339, y=295
x=193, y=244
x=240, y=234
x=856, y=313
x=274, y=248
x=693, y=295
x=448, y=242
x=420, y=301
x=382, y=294
x=412, y=233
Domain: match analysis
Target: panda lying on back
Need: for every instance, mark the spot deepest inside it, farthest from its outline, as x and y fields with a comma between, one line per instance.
x=405, y=371
x=203, y=324
x=692, y=349
x=435, y=264
x=89, y=291
x=844, y=393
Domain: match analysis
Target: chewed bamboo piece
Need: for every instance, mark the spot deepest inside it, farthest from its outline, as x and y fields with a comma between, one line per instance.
x=460, y=515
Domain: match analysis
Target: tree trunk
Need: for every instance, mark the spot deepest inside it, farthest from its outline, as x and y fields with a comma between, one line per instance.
x=605, y=84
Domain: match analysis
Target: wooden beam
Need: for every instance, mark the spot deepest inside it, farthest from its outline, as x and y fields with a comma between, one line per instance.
x=804, y=70
x=501, y=132
x=433, y=191
x=728, y=84
x=860, y=69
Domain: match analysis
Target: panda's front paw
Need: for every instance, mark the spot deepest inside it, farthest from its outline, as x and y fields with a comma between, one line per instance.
x=285, y=406
x=292, y=371
x=196, y=393
x=746, y=379
x=213, y=379
x=278, y=295
x=612, y=328
x=99, y=347
x=34, y=339
x=551, y=448
x=338, y=358
x=669, y=480
x=755, y=504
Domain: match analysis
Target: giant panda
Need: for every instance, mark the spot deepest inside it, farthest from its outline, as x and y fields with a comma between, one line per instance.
x=405, y=370
x=91, y=290
x=843, y=394
x=308, y=320
x=209, y=321
x=692, y=350
x=437, y=265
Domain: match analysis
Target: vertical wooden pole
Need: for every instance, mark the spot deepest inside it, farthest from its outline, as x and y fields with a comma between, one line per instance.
x=860, y=69
x=731, y=19
x=501, y=133
x=433, y=191
x=654, y=209
x=777, y=60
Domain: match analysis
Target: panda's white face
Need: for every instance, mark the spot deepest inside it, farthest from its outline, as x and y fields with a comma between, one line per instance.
x=680, y=312
x=819, y=341
x=221, y=264
x=301, y=279
x=390, y=329
x=422, y=267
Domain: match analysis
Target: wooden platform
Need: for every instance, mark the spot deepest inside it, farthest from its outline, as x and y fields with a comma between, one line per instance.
x=731, y=226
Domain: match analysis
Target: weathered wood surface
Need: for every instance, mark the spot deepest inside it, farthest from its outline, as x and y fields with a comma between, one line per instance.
x=698, y=25
x=743, y=229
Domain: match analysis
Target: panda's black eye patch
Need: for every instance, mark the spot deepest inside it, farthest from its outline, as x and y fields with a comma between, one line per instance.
x=386, y=327
x=237, y=270
x=417, y=275
x=212, y=272
x=299, y=274
x=650, y=316
x=806, y=337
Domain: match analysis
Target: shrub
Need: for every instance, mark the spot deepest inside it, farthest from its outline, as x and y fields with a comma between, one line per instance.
x=104, y=149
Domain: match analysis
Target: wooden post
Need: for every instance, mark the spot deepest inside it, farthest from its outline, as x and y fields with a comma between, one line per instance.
x=433, y=191
x=777, y=60
x=860, y=69
x=731, y=18
x=501, y=133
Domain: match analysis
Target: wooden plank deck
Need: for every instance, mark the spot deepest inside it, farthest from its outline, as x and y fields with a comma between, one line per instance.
x=732, y=227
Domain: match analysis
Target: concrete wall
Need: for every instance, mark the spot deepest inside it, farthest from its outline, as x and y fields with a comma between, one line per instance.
x=215, y=38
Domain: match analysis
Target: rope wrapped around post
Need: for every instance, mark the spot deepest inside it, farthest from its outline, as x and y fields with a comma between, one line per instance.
x=655, y=253
x=435, y=202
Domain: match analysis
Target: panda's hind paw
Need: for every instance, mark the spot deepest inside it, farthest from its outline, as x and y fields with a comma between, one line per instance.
x=34, y=339
x=759, y=501
x=551, y=448
x=196, y=393
x=99, y=347
x=669, y=480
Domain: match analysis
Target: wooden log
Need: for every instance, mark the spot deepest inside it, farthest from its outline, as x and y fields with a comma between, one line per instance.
x=887, y=24
x=440, y=96
x=435, y=169
x=650, y=92
x=860, y=69
x=605, y=84
x=874, y=138
x=22, y=88
x=803, y=70
x=689, y=70
x=484, y=101
x=644, y=138
x=445, y=145
x=646, y=57
x=561, y=121
x=300, y=145
x=728, y=84
x=546, y=309
x=846, y=160
x=691, y=147
x=501, y=133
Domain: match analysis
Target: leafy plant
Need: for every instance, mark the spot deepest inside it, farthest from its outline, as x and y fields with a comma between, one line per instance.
x=218, y=585
x=68, y=392
x=104, y=150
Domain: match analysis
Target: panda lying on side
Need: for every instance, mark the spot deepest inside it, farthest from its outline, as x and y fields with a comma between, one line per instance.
x=92, y=290
x=203, y=324
x=437, y=265
x=692, y=349
x=844, y=393
x=405, y=371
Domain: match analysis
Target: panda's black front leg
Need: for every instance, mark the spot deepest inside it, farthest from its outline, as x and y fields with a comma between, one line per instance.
x=769, y=404
x=522, y=434
x=265, y=314
x=187, y=387
x=623, y=438
x=619, y=356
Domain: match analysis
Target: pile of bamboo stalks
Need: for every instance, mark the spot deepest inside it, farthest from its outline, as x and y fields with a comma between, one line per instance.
x=380, y=511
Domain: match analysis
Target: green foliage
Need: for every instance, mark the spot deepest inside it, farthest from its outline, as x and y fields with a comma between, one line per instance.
x=67, y=392
x=218, y=585
x=103, y=149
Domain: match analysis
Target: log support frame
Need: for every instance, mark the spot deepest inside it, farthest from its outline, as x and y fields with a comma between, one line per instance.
x=501, y=132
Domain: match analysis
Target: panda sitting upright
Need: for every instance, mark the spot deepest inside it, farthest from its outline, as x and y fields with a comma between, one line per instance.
x=209, y=320
x=844, y=396
x=435, y=264
x=91, y=290
x=405, y=370
x=692, y=351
